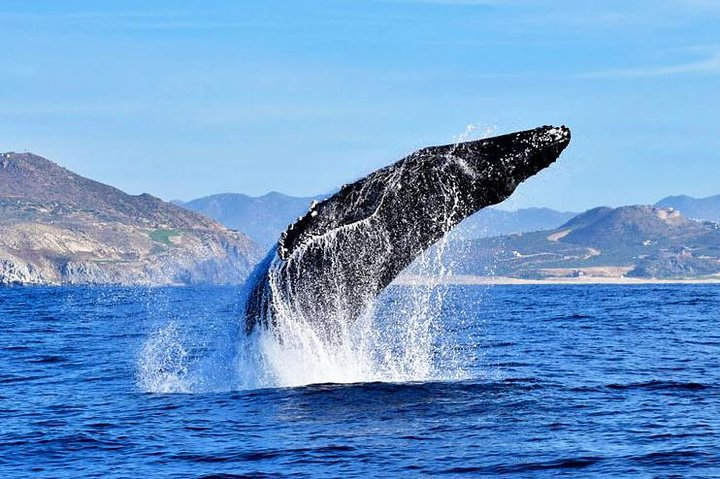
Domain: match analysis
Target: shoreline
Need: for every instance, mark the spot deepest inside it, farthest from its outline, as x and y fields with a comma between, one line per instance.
x=417, y=280
x=470, y=280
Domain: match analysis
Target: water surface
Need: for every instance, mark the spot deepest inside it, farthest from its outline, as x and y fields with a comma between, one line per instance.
x=581, y=381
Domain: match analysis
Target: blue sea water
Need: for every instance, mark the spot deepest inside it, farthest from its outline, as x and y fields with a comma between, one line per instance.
x=578, y=381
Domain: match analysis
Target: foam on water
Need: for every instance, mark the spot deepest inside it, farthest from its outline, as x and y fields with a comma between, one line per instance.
x=397, y=342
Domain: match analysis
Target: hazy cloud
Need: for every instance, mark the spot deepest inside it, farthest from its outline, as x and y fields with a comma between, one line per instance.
x=708, y=65
x=70, y=108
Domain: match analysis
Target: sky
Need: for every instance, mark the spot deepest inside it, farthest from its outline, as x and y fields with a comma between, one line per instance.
x=183, y=99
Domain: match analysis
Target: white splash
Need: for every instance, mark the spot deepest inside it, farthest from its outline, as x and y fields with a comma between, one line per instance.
x=163, y=362
x=399, y=338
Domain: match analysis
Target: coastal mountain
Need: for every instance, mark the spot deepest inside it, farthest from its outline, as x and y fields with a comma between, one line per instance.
x=632, y=241
x=61, y=228
x=263, y=218
x=697, y=208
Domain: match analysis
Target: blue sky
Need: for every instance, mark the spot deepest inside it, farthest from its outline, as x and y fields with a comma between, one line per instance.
x=184, y=98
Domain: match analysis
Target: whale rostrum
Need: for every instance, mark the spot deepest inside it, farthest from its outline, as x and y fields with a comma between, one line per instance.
x=331, y=263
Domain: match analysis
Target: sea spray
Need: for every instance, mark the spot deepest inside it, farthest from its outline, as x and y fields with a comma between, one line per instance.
x=163, y=362
x=350, y=336
x=399, y=337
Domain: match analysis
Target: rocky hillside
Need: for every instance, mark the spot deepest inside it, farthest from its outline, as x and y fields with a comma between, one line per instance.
x=61, y=228
x=633, y=241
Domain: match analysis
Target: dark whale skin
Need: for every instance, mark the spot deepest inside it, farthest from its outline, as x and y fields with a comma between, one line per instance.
x=333, y=261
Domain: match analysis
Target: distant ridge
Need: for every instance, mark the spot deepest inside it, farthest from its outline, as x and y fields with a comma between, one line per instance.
x=496, y=222
x=698, y=208
x=59, y=227
x=262, y=218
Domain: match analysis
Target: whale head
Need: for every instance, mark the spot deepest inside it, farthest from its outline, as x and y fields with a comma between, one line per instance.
x=527, y=152
x=487, y=171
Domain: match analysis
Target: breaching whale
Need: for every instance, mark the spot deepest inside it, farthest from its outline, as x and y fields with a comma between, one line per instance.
x=332, y=262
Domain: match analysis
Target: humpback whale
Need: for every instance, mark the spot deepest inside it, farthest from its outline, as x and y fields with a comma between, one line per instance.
x=330, y=264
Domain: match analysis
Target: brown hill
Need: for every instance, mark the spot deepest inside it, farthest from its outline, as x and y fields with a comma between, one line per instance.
x=59, y=227
x=635, y=241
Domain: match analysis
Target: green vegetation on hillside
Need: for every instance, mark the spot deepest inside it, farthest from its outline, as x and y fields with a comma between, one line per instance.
x=164, y=235
x=60, y=228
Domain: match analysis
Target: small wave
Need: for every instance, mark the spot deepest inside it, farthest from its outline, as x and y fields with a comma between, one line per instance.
x=680, y=435
x=20, y=379
x=263, y=455
x=662, y=385
x=48, y=360
x=227, y=475
x=16, y=348
x=77, y=442
x=569, y=463
x=676, y=458
x=251, y=456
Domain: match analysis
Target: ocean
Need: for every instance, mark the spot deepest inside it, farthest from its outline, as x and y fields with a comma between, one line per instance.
x=518, y=381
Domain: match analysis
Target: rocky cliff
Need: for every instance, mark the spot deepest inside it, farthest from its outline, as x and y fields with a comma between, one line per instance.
x=57, y=227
